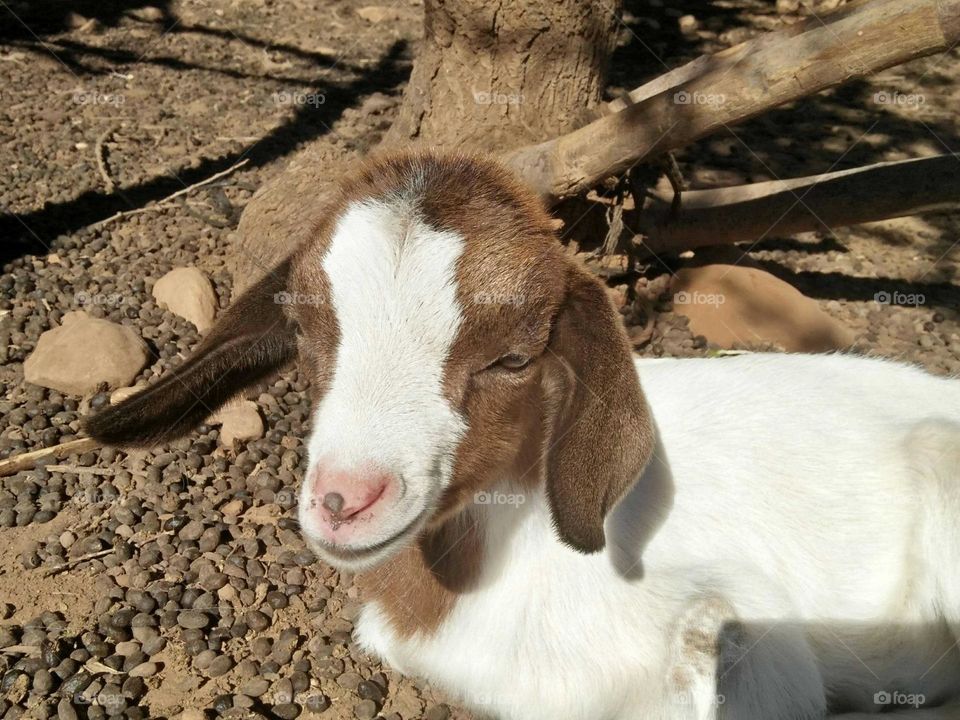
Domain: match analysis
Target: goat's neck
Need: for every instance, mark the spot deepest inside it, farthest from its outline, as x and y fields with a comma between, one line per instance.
x=418, y=587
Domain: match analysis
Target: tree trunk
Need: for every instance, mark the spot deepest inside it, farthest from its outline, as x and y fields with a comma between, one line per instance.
x=490, y=76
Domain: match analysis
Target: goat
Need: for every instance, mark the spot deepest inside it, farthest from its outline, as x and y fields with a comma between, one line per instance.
x=766, y=537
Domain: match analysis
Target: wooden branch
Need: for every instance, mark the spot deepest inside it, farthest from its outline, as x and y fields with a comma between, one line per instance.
x=169, y=198
x=27, y=460
x=778, y=208
x=859, y=39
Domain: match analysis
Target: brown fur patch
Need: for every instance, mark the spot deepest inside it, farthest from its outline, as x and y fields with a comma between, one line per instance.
x=418, y=587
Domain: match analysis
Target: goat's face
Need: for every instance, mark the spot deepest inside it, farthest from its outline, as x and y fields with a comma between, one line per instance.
x=446, y=337
x=422, y=333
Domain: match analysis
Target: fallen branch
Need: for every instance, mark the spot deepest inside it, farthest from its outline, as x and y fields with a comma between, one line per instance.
x=26, y=461
x=784, y=66
x=785, y=207
x=169, y=198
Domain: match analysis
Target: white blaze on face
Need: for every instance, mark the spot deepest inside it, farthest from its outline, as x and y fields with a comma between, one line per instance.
x=392, y=282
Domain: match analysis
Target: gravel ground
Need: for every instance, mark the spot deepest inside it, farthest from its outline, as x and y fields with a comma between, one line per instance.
x=174, y=581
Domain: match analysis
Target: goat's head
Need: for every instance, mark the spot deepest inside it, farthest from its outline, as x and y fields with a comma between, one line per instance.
x=450, y=343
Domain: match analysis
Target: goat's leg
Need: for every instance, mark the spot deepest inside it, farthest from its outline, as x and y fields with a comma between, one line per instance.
x=722, y=668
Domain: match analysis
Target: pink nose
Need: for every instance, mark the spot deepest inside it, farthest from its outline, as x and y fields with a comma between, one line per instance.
x=341, y=496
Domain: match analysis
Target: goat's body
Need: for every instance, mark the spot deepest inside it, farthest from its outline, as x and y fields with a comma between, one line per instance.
x=799, y=519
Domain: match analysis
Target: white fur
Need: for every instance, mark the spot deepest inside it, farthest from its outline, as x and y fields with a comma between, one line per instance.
x=810, y=505
x=392, y=283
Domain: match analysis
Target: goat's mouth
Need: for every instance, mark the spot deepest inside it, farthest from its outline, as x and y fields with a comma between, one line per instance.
x=355, y=557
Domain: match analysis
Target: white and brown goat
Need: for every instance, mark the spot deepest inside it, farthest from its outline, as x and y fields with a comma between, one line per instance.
x=755, y=538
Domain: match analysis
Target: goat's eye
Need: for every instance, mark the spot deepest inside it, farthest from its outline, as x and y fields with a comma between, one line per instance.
x=513, y=361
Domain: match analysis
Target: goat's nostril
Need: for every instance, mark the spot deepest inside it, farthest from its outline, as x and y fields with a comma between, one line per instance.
x=333, y=501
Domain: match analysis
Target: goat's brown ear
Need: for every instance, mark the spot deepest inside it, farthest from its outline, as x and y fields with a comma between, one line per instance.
x=252, y=338
x=602, y=432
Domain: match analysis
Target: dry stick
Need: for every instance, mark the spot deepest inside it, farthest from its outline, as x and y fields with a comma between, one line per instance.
x=786, y=65
x=26, y=461
x=785, y=207
x=76, y=561
x=77, y=469
x=99, y=152
x=174, y=196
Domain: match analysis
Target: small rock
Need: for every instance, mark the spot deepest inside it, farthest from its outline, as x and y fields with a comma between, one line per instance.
x=187, y=292
x=239, y=422
x=84, y=352
x=688, y=25
x=144, y=670
x=365, y=710
x=220, y=666
x=148, y=13
x=192, y=619
x=379, y=13
x=286, y=711
x=121, y=394
x=255, y=687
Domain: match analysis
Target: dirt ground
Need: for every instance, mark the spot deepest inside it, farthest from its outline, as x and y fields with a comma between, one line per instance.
x=184, y=562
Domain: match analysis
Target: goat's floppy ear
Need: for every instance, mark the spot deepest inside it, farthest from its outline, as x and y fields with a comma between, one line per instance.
x=253, y=338
x=602, y=432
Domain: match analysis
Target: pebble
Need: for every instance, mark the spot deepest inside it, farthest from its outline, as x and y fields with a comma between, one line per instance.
x=145, y=670
x=365, y=710
x=193, y=619
x=220, y=666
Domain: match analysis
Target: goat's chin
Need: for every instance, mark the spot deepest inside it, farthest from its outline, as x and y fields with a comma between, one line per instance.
x=366, y=557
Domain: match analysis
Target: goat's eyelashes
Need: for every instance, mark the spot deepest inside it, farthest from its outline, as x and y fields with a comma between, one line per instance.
x=512, y=362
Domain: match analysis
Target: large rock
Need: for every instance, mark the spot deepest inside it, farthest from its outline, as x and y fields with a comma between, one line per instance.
x=187, y=292
x=84, y=352
x=737, y=306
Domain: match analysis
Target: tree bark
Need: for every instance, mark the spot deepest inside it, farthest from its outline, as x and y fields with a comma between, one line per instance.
x=490, y=76
x=495, y=75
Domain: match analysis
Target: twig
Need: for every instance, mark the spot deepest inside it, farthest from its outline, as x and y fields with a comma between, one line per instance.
x=174, y=196
x=77, y=469
x=99, y=152
x=77, y=561
x=31, y=650
x=26, y=461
